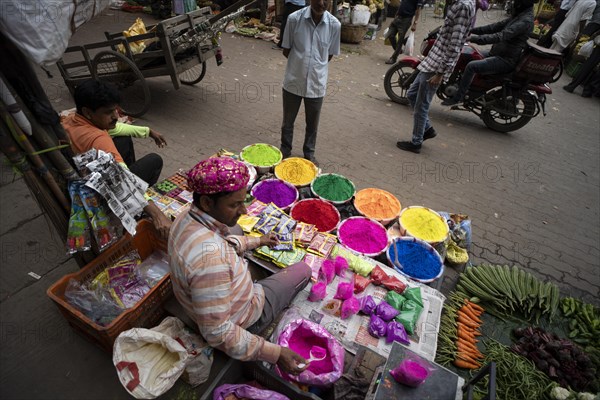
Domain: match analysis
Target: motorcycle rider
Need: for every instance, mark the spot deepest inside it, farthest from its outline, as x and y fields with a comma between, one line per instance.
x=509, y=38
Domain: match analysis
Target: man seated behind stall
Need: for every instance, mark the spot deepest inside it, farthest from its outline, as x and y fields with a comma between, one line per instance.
x=210, y=276
x=96, y=103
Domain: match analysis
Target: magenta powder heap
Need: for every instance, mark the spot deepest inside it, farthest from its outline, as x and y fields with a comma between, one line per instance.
x=363, y=235
x=275, y=191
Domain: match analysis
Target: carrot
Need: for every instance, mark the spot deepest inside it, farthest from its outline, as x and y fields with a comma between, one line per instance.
x=467, y=357
x=461, y=333
x=465, y=364
x=468, y=330
x=470, y=314
x=462, y=317
x=475, y=306
x=475, y=311
x=469, y=346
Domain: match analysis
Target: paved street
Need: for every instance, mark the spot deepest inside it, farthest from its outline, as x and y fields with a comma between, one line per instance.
x=532, y=195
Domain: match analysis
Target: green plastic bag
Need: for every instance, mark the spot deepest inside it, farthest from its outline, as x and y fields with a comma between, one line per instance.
x=414, y=294
x=409, y=315
x=395, y=300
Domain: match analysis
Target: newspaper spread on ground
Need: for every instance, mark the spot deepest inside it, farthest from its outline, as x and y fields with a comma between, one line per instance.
x=353, y=331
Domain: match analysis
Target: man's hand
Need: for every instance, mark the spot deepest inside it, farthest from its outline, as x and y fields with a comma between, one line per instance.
x=161, y=222
x=289, y=361
x=269, y=240
x=435, y=80
x=158, y=138
x=414, y=26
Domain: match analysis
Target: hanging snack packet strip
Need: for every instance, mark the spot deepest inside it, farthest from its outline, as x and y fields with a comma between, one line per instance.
x=78, y=235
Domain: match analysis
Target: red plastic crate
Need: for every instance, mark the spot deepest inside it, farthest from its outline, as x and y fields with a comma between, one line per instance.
x=146, y=314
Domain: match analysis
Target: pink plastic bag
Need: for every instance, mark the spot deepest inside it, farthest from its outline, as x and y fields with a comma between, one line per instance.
x=350, y=307
x=411, y=372
x=341, y=266
x=243, y=391
x=327, y=272
x=301, y=335
x=345, y=290
x=318, y=291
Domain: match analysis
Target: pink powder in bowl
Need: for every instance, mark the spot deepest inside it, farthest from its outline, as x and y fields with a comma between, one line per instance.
x=302, y=340
x=363, y=235
x=409, y=373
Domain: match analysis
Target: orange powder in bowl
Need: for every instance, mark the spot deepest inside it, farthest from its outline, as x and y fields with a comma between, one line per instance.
x=377, y=204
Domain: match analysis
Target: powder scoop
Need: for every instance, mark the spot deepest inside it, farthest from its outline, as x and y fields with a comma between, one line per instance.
x=317, y=353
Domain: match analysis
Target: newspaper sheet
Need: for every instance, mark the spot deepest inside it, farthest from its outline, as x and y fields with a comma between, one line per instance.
x=353, y=331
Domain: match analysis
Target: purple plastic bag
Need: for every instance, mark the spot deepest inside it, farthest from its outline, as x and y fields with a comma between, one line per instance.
x=300, y=335
x=377, y=326
x=350, y=307
x=318, y=291
x=327, y=272
x=341, y=266
x=345, y=290
x=367, y=304
x=385, y=311
x=411, y=372
x=243, y=391
x=396, y=332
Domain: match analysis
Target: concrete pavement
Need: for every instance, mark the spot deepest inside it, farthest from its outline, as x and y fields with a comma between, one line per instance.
x=532, y=194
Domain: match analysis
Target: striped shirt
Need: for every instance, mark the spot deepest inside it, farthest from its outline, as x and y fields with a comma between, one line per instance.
x=442, y=57
x=212, y=282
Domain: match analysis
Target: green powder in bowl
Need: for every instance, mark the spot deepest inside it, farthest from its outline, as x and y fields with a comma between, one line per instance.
x=261, y=155
x=334, y=188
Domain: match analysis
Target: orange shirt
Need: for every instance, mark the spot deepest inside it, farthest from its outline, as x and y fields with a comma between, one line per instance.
x=84, y=136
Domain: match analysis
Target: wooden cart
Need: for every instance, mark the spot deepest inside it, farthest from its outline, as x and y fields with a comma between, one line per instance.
x=177, y=47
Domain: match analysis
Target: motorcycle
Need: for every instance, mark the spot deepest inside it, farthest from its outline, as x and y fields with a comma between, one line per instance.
x=504, y=102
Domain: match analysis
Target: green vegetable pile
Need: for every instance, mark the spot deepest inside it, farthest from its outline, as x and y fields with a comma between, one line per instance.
x=507, y=292
x=516, y=376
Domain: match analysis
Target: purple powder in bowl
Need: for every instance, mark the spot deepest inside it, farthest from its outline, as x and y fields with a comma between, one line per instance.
x=276, y=191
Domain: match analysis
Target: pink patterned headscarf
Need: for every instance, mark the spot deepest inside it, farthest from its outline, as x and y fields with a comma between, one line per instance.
x=218, y=174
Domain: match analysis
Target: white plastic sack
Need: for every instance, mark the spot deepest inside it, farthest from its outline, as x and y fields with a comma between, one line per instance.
x=41, y=29
x=149, y=361
x=586, y=49
x=409, y=47
x=360, y=15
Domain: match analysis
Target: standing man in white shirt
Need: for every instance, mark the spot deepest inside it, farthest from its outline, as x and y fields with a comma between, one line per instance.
x=310, y=40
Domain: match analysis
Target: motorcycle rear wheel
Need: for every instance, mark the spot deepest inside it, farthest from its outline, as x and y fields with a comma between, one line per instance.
x=397, y=80
x=519, y=109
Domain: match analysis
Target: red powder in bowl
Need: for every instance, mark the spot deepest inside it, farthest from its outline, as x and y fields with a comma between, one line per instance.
x=316, y=212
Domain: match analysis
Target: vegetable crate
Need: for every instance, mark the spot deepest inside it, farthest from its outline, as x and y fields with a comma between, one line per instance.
x=147, y=313
x=236, y=372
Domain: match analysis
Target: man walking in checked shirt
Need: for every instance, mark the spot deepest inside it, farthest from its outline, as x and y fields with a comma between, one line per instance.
x=437, y=66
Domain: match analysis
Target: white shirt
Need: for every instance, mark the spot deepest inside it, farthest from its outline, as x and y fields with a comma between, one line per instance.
x=310, y=47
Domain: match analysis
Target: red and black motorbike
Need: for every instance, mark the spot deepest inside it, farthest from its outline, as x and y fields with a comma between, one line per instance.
x=504, y=102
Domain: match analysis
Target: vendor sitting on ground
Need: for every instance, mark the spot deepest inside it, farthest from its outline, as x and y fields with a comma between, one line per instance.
x=210, y=276
x=94, y=123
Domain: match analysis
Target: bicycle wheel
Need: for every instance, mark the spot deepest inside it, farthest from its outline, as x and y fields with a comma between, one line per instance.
x=193, y=75
x=116, y=68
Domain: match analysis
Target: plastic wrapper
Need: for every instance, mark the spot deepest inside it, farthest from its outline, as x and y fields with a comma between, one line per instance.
x=341, y=266
x=78, y=235
x=359, y=265
x=378, y=275
x=367, y=304
x=273, y=211
x=266, y=224
x=377, y=326
x=300, y=336
x=385, y=311
x=460, y=229
x=393, y=283
x=350, y=307
x=255, y=208
x=414, y=294
x=455, y=254
x=154, y=267
x=98, y=305
x=243, y=391
x=409, y=316
x=247, y=223
x=332, y=307
x=318, y=291
x=322, y=243
x=345, y=290
x=285, y=226
x=314, y=262
x=395, y=300
x=304, y=233
x=396, y=332
x=286, y=242
x=327, y=272
x=360, y=283
x=411, y=372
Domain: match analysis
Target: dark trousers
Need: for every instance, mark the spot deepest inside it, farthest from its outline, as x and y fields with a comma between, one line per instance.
x=399, y=26
x=280, y=290
x=487, y=66
x=587, y=70
x=288, y=8
x=312, y=109
x=147, y=168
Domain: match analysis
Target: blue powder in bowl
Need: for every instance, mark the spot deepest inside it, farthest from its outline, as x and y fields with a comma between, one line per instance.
x=417, y=261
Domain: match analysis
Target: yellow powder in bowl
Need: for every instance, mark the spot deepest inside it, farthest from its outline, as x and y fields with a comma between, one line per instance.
x=297, y=171
x=377, y=204
x=424, y=223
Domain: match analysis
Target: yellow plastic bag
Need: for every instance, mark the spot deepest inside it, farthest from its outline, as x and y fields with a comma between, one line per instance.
x=138, y=28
